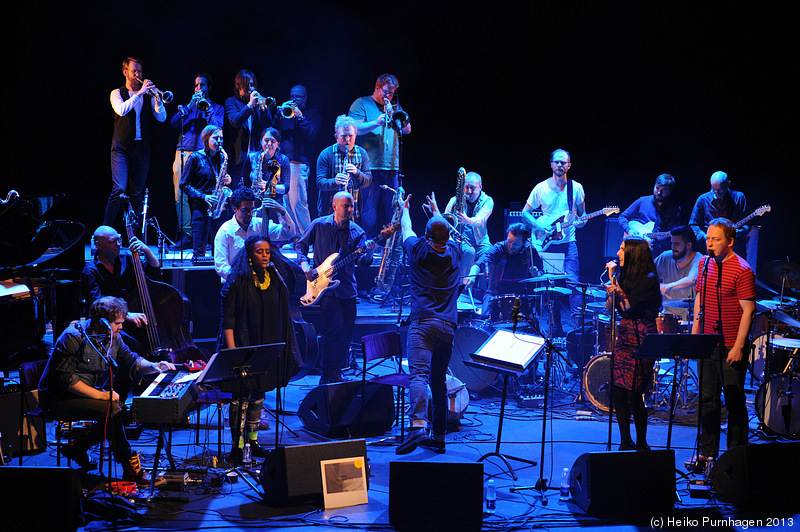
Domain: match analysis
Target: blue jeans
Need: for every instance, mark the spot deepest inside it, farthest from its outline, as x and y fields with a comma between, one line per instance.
x=572, y=271
x=376, y=203
x=430, y=344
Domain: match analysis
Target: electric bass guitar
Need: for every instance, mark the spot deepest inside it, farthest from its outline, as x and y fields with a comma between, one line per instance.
x=758, y=212
x=322, y=275
x=554, y=234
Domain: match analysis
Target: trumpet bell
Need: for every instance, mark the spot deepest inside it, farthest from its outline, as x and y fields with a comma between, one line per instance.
x=167, y=96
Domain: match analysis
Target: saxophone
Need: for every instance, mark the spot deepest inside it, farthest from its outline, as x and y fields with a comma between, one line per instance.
x=256, y=183
x=392, y=251
x=274, y=169
x=221, y=192
x=459, y=204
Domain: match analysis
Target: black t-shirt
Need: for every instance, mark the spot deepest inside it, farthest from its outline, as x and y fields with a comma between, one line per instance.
x=434, y=279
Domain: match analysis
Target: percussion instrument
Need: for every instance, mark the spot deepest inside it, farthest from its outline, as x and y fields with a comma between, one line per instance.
x=501, y=308
x=595, y=381
x=668, y=323
x=469, y=337
x=772, y=404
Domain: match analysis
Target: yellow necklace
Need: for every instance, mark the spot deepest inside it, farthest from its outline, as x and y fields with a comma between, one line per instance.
x=263, y=285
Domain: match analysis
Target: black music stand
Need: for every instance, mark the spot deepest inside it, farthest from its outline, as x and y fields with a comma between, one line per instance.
x=676, y=347
x=242, y=364
x=507, y=353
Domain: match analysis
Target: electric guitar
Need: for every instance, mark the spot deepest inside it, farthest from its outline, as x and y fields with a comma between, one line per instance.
x=323, y=273
x=758, y=212
x=557, y=225
x=645, y=230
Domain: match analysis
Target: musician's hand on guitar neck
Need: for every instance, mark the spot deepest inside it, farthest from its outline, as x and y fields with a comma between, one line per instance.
x=137, y=318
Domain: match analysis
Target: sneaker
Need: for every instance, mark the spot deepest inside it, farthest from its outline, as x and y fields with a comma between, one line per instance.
x=414, y=438
x=132, y=470
x=78, y=453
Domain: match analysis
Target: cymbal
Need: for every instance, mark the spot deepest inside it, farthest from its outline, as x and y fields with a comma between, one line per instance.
x=545, y=277
x=786, y=343
x=788, y=320
x=767, y=305
x=596, y=306
x=552, y=290
x=678, y=303
x=786, y=300
x=778, y=271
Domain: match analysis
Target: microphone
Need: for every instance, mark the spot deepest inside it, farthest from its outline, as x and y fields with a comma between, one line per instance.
x=105, y=323
x=273, y=270
x=515, y=315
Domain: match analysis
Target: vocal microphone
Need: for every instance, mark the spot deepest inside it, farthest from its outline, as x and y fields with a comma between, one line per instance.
x=515, y=315
x=273, y=270
x=608, y=269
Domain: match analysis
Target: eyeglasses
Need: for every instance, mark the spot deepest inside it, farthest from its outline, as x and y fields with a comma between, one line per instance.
x=247, y=210
x=561, y=163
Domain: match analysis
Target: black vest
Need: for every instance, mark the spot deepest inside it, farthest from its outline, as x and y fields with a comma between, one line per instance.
x=125, y=126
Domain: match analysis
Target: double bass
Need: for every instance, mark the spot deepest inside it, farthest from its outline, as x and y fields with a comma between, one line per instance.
x=168, y=311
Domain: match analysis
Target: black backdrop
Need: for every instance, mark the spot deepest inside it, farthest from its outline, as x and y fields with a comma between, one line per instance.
x=632, y=91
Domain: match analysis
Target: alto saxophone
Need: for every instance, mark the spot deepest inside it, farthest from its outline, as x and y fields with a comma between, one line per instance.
x=221, y=192
x=392, y=251
x=256, y=183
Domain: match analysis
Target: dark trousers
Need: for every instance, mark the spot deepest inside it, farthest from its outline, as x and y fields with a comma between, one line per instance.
x=66, y=406
x=129, y=167
x=430, y=346
x=338, y=320
x=376, y=202
x=719, y=376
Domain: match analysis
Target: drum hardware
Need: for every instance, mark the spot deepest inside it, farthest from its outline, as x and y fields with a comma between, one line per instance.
x=782, y=273
x=501, y=308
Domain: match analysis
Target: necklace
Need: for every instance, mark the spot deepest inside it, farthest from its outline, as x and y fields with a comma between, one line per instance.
x=263, y=285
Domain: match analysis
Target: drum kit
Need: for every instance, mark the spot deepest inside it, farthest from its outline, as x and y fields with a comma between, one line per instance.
x=536, y=295
x=775, y=345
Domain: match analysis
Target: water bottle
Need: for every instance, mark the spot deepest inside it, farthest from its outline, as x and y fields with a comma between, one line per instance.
x=564, y=485
x=491, y=496
x=247, y=459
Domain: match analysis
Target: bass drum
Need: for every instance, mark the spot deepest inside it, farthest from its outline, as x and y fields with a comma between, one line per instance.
x=772, y=404
x=469, y=337
x=595, y=381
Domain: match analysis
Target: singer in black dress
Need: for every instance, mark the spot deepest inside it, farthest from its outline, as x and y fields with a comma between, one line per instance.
x=636, y=297
x=255, y=311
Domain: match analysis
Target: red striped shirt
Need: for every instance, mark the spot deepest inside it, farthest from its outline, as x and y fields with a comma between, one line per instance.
x=721, y=301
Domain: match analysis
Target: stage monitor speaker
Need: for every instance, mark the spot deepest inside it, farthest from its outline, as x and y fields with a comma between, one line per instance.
x=33, y=430
x=41, y=498
x=291, y=476
x=759, y=476
x=624, y=484
x=335, y=410
x=436, y=496
x=612, y=236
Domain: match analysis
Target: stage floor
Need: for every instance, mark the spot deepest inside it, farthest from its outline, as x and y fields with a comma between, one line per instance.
x=573, y=427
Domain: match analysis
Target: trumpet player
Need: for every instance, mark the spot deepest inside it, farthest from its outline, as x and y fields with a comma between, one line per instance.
x=246, y=115
x=380, y=120
x=190, y=120
x=199, y=181
x=298, y=143
x=134, y=107
x=342, y=167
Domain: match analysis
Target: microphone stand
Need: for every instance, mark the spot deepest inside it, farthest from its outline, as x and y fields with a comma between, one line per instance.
x=112, y=365
x=541, y=484
x=701, y=317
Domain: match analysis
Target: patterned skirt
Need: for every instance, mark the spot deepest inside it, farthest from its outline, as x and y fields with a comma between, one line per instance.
x=630, y=372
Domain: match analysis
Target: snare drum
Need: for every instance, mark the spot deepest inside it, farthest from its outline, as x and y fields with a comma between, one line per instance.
x=501, y=308
x=668, y=323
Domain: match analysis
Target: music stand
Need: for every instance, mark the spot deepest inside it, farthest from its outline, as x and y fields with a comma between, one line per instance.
x=242, y=364
x=677, y=346
x=507, y=353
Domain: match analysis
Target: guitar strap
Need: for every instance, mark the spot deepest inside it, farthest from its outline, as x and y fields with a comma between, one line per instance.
x=569, y=196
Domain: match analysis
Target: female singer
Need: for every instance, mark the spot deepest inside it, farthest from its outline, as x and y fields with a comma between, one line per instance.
x=636, y=296
x=198, y=182
x=255, y=311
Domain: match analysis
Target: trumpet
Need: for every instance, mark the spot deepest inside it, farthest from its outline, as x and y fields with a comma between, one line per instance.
x=287, y=109
x=264, y=102
x=164, y=96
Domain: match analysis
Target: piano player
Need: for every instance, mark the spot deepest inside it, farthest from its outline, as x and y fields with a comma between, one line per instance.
x=77, y=384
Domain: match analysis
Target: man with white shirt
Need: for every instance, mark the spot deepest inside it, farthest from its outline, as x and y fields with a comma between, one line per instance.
x=232, y=234
x=135, y=106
